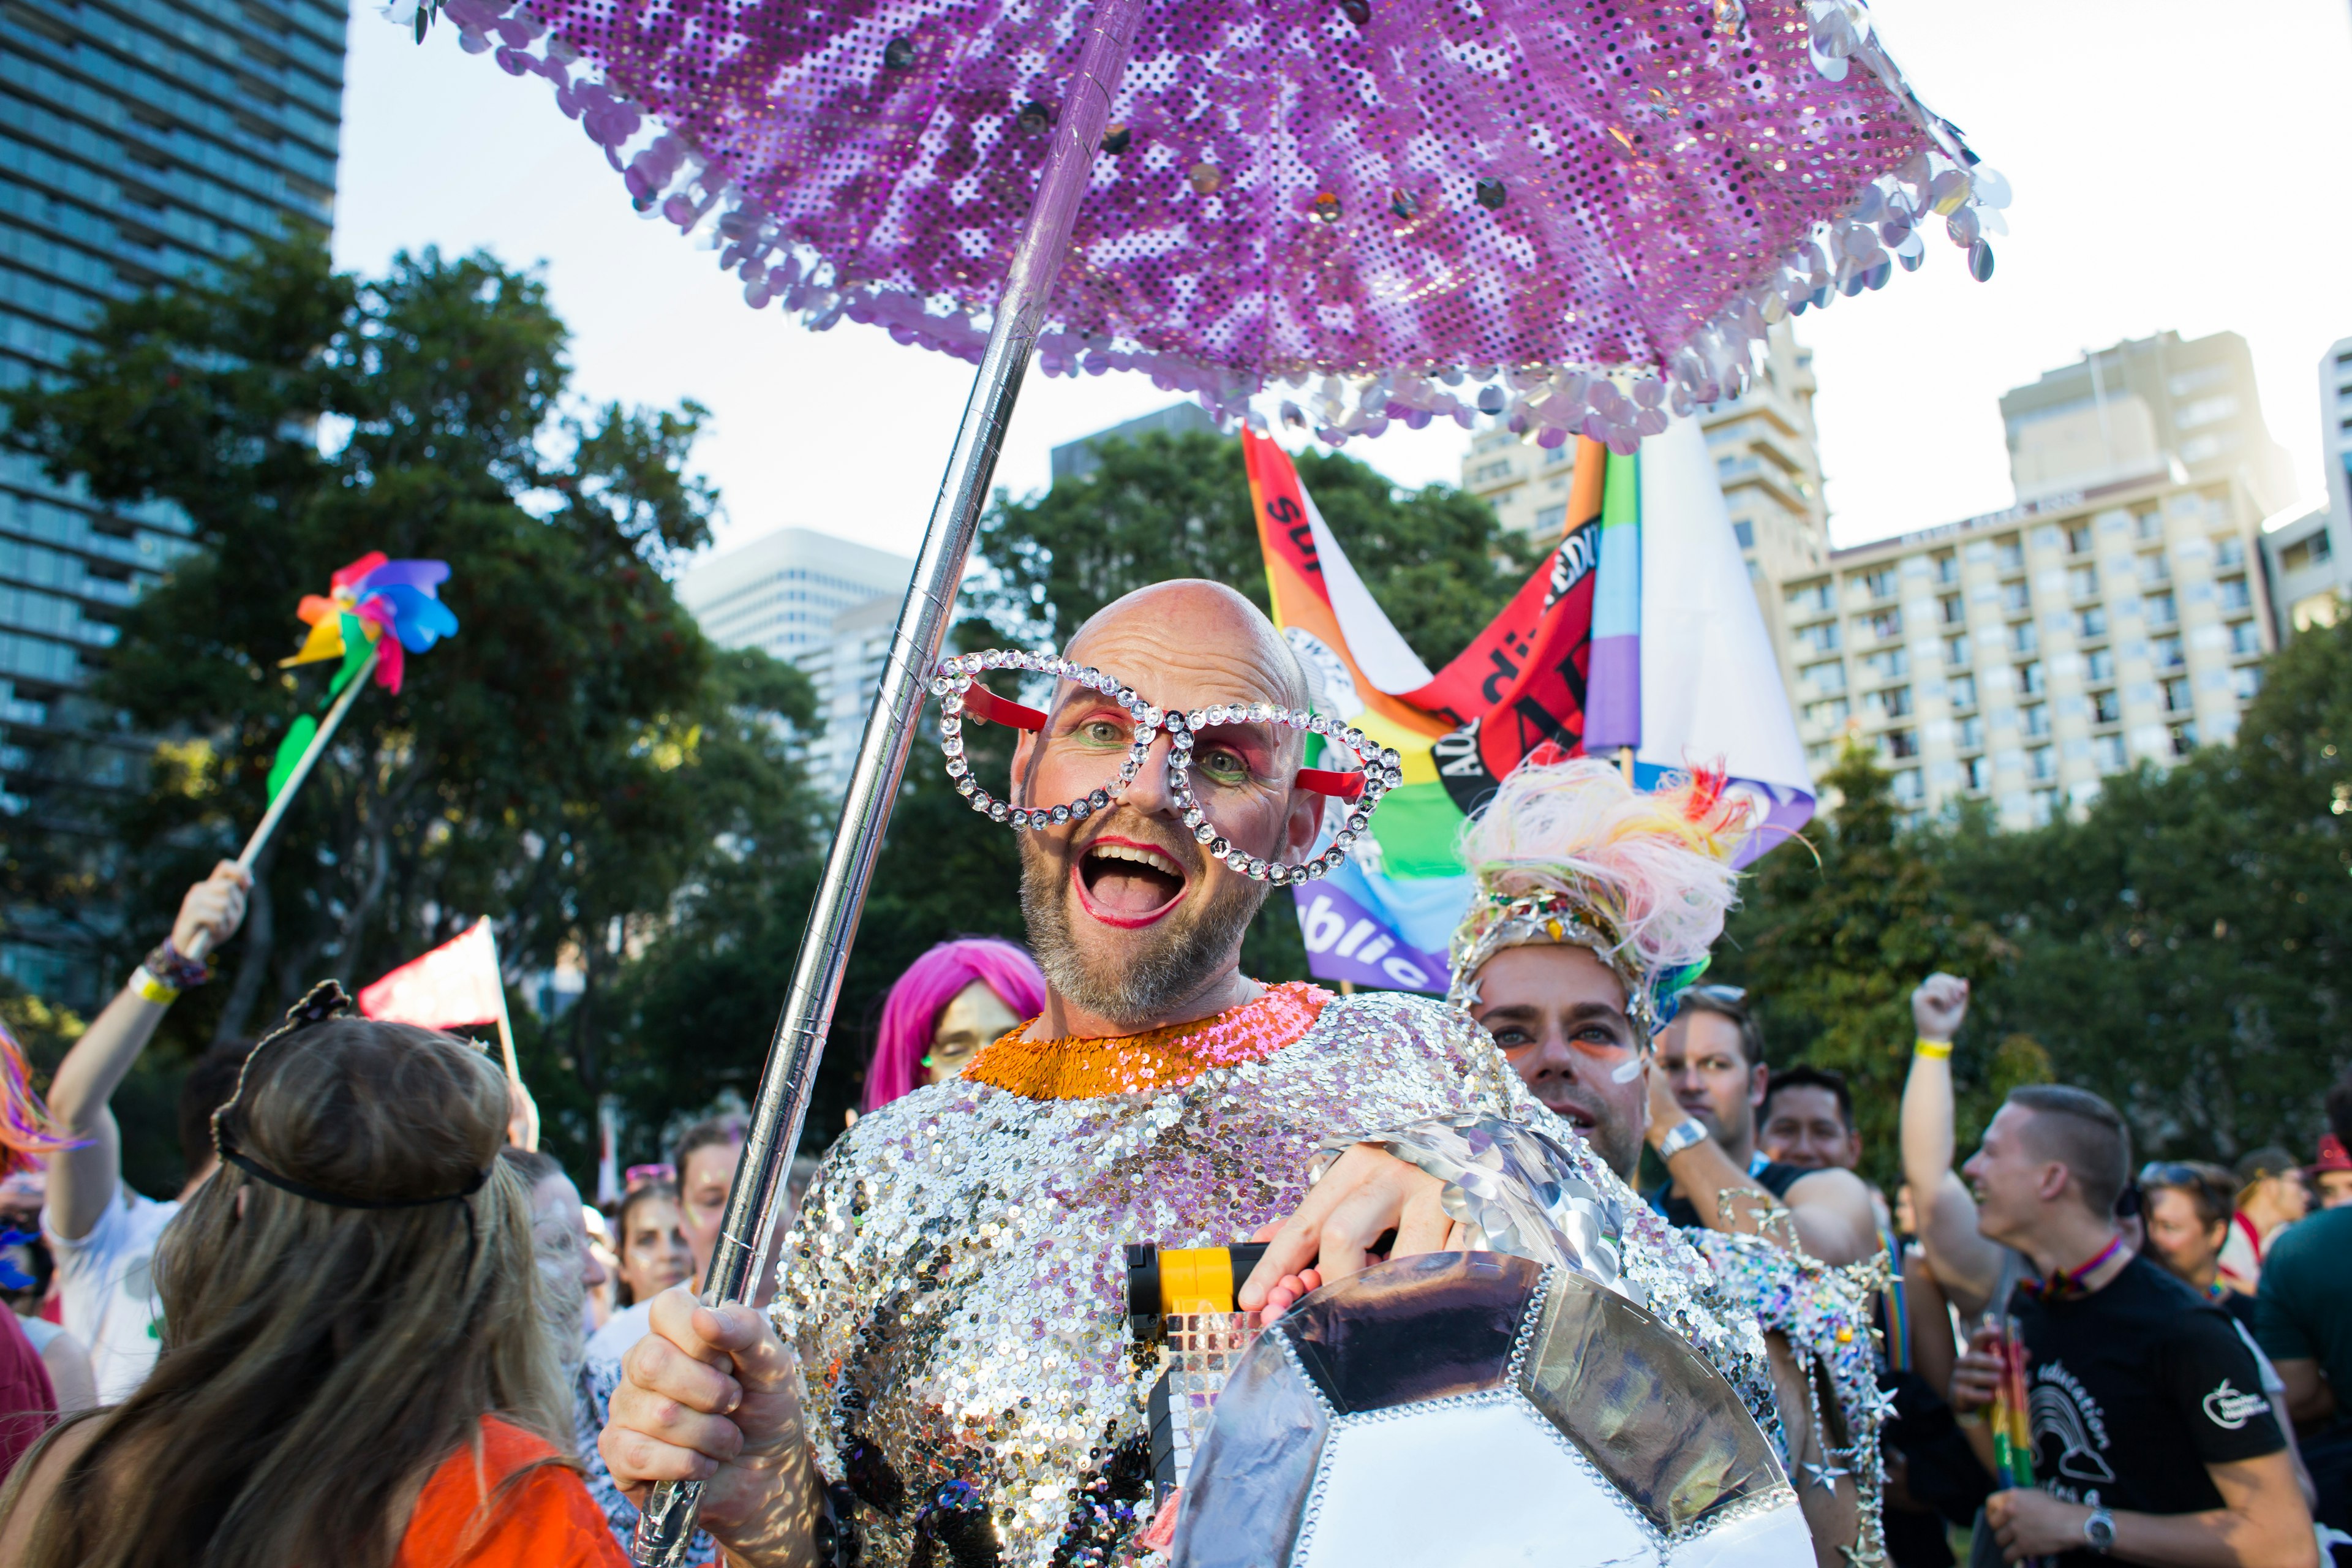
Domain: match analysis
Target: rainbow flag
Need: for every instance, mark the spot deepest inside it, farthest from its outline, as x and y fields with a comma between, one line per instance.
x=1638, y=637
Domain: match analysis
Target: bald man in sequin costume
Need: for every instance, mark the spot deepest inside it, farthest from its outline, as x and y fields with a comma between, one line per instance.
x=958, y=1387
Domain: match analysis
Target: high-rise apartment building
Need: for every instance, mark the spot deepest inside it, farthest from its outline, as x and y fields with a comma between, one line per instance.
x=820, y=602
x=2134, y=409
x=2019, y=658
x=1765, y=458
x=141, y=142
x=2310, y=557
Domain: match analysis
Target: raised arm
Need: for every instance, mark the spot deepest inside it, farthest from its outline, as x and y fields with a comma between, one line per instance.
x=1829, y=1213
x=83, y=1181
x=1968, y=1264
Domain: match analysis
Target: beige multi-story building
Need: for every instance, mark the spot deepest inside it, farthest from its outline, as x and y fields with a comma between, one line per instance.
x=1762, y=444
x=2021, y=658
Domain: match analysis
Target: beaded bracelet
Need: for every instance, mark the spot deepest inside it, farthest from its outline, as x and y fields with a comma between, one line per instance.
x=150, y=989
x=1934, y=1050
x=166, y=964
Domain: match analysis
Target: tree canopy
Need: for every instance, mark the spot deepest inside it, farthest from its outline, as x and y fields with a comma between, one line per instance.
x=574, y=755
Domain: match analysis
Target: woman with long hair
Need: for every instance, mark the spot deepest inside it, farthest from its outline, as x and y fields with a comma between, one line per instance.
x=353, y=1369
x=956, y=998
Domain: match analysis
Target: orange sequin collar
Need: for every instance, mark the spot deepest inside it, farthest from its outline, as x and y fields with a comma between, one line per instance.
x=1152, y=1061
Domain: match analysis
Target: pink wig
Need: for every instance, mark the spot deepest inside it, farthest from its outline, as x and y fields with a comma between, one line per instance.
x=913, y=1007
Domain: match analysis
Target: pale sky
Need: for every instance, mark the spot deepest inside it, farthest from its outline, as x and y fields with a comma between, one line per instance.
x=2174, y=166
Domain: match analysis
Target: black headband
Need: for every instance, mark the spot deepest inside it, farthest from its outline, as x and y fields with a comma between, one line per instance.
x=261, y=1172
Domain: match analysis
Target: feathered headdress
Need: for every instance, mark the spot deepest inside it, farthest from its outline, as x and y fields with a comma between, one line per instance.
x=1569, y=852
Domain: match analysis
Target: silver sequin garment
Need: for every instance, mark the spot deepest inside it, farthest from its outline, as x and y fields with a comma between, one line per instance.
x=956, y=1282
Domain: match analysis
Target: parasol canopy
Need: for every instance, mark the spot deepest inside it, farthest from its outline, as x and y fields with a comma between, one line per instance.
x=1370, y=210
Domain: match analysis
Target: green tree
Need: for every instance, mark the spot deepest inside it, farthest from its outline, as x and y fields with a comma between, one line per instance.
x=2181, y=948
x=1831, y=943
x=1179, y=506
x=565, y=764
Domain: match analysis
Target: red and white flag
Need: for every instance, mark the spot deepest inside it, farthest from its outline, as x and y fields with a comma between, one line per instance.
x=457, y=983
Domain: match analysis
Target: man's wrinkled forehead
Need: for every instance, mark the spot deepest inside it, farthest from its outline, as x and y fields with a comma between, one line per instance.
x=1186, y=649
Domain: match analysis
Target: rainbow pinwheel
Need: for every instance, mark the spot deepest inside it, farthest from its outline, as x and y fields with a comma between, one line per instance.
x=370, y=596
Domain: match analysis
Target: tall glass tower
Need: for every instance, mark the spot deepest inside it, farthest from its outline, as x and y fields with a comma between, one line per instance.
x=141, y=142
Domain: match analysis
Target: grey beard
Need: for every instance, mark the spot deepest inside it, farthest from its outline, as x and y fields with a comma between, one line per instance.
x=1175, y=960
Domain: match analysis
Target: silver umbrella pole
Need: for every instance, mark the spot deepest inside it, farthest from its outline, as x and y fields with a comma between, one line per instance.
x=666, y=1527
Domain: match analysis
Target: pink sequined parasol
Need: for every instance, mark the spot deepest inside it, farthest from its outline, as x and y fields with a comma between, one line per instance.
x=1388, y=193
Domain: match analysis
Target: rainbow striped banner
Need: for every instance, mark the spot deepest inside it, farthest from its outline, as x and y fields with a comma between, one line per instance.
x=1638, y=638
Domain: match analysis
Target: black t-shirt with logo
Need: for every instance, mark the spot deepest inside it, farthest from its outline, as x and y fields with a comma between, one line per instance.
x=2136, y=1389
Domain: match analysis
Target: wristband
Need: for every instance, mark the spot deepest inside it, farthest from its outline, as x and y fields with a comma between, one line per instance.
x=151, y=989
x=1934, y=1050
x=166, y=964
x=1689, y=1131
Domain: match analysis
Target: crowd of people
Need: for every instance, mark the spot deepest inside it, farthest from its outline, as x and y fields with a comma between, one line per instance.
x=375, y=1326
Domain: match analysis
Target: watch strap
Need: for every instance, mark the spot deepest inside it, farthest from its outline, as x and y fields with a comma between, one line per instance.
x=1689, y=1131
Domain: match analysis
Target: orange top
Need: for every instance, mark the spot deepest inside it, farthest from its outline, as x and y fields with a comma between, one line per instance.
x=1154, y=1061
x=544, y=1520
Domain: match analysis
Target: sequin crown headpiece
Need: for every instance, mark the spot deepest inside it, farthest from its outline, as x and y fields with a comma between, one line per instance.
x=1570, y=852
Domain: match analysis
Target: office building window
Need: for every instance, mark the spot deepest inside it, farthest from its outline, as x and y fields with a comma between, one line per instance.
x=2184, y=738
x=1832, y=711
x=2176, y=695
x=2107, y=708
x=1892, y=664
x=1741, y=530
x=1894, y=702
x=2306, y=553
x=1901, y=743
x=1809, y=598
x=2090, y=624
x=1951, y=611
x=1971, y=733
x=1908, y=787
x=2078, y=538
x=2029, y=677
x=2008, y=554
x=2100, y=664
x=2013, y=599
x=1946, y=567
x=1956, y=652
x=2035, y=720
x=2166, y=652
x=2108, y=754
x=2246, y=680
x=2153, y=572
x=2229, y=552
x=1828, y=677
x=2243, y=640
x=1963, y=692
x=2023, y=638
x=2233, y=594
x=1554, y=518
x=1886, y=624
x=1819, y=638
x=2148, y=524
x=1879, y=585
x=2161, y=610
x=2083, y=582
x=2042, y=764
x=1974, y=775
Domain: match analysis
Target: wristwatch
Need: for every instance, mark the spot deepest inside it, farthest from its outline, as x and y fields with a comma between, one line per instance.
x=2099, y=1529
x=1690, y=1130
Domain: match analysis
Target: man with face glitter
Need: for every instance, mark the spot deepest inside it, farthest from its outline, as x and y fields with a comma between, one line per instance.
x=947, y=1375
x=1595, y=910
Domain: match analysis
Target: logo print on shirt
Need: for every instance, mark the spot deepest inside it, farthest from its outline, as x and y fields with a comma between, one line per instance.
x=2229, y=1409
x=2058, y=1411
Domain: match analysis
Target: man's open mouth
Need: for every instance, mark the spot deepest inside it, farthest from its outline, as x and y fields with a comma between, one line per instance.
x=1122, y=882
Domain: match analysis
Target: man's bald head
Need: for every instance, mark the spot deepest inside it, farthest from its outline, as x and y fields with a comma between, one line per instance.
x=1188, y=614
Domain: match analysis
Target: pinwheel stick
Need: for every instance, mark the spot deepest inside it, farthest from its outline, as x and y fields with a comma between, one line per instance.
x=665, y=1529
x=285, y=796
